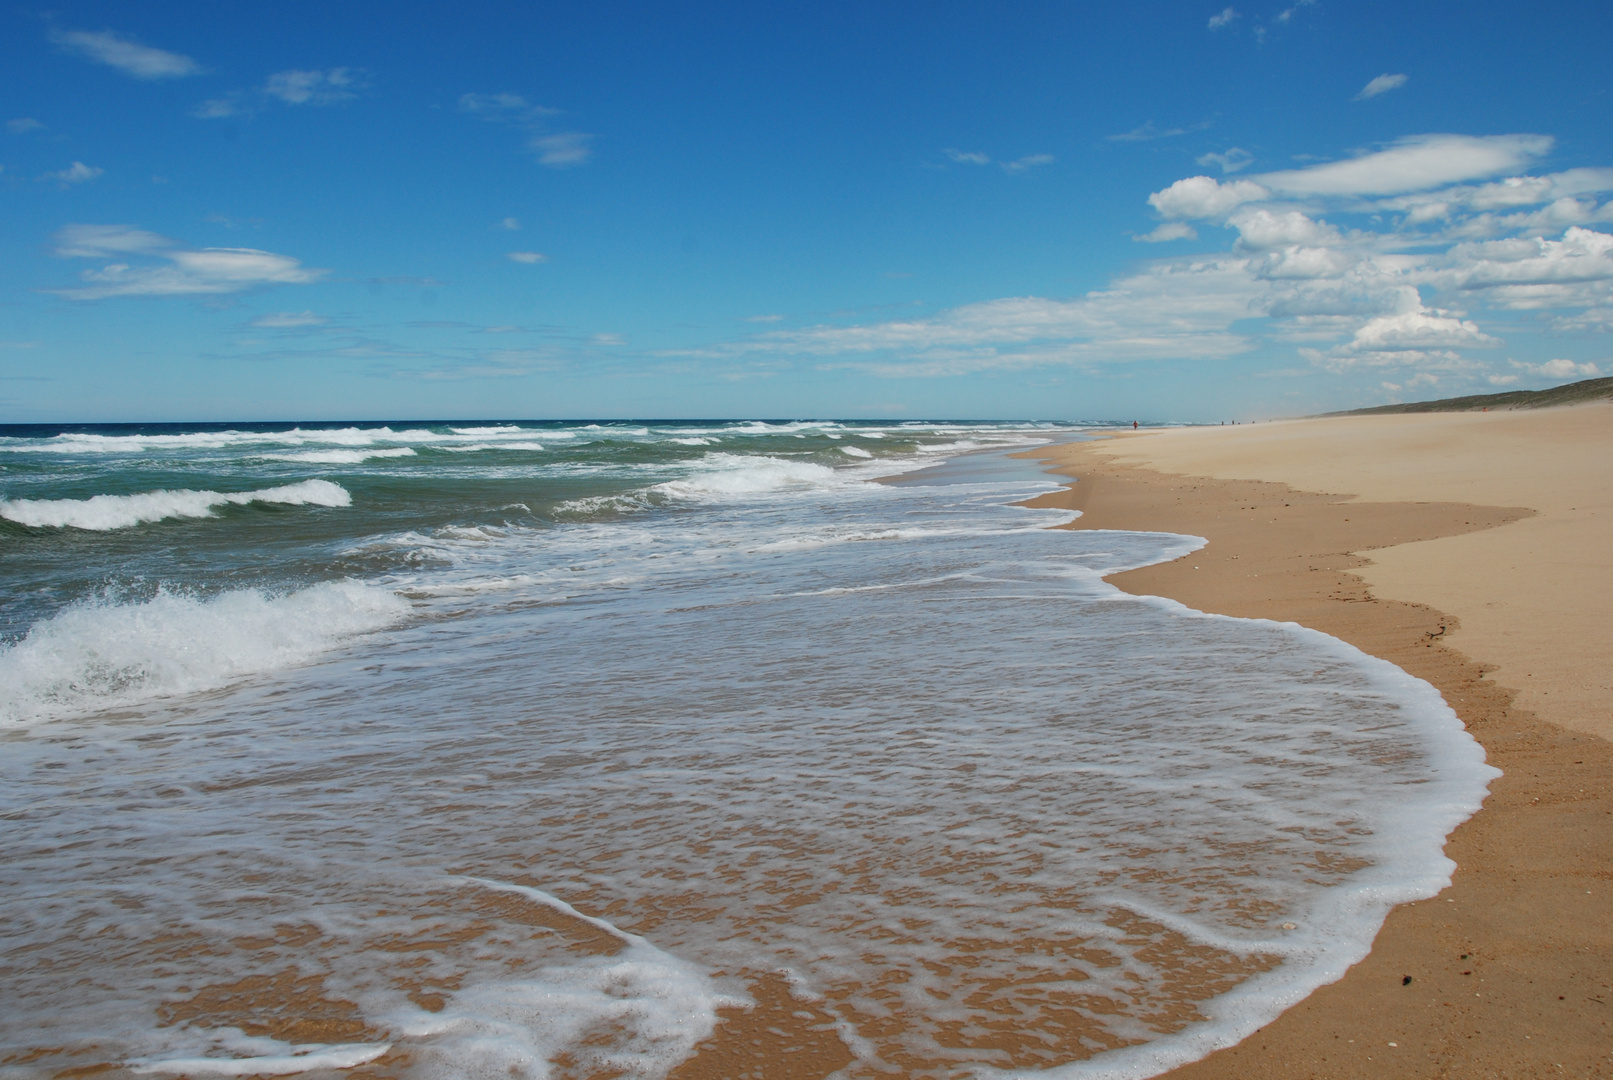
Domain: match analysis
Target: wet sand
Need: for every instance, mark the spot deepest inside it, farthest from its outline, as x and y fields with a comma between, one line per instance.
x=1476, y=552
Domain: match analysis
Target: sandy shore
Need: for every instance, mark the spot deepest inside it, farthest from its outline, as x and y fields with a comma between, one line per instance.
x=1474, y=551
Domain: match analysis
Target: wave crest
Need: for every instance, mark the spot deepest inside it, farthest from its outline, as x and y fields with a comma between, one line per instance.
x=103, y=654
x=103, y=513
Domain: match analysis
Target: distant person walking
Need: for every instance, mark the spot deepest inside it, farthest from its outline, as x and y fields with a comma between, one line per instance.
x=1134, y=425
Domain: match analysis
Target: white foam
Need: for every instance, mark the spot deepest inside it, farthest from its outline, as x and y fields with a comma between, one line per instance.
x=855, y=451
x=97, y=655
x=296, y=1059
x=341, y=457
x=102, y=513
x=656, y=1007
x=723, y=474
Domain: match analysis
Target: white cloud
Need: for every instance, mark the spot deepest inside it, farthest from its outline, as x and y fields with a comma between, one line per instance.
x=1234, y=160
x=510, y=223
x=1147, y=133
x=1299, y=263
x=1223, y=18
x=188, y=271
x=1205, y=197
x=562, y=150
x=296, y=87
x=76, y=173
x=1029, y=161
x=1260, y=229
x=967, y=157
x=1382, y=85
x=527, y=257
x=1560, y=369
x=1417, y=330
x=286, y=320
x=1169, y=230
x=1417, y=163
x=1581, y=255
x=219, y=108
x=140, y=61
x=508, y=107
x=98, y=241
x=22, y=124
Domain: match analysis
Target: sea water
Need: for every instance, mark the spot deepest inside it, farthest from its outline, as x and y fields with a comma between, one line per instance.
x=528, y=749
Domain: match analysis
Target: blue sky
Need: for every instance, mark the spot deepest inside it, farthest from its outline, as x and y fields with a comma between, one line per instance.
x=1042, y=211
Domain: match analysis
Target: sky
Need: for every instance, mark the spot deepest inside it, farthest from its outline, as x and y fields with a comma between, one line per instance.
x=1165, y=211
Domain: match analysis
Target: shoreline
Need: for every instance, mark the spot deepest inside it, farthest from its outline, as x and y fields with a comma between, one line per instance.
x=1510, y=968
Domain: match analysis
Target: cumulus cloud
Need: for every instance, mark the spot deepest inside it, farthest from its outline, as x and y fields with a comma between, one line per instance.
x=1222, y=18
x=1260, y=228
x=1205, y=197
x=1381, y=85
x=296, y=87
x=187, y=271
x=76, y=173
x=1417, y=163
x=1376, y=294
x=1418, y=330
x=1560, y=369
x=1533, y=273
x=1169, y=230
x=129, y=57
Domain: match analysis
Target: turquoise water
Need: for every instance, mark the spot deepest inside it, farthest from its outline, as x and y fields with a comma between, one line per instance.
x=372, y=707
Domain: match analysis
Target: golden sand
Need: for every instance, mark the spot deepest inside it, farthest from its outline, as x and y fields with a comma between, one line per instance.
x=1473, y=550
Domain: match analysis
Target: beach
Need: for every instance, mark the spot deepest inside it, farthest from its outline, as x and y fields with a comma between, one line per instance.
x=1475, y=551
x=568, y=749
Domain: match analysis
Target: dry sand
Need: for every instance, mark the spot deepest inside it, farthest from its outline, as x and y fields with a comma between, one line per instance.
x=1475, y=551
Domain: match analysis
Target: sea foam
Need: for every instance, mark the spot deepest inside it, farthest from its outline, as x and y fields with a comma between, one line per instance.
x=103, y=513
x=102, y=654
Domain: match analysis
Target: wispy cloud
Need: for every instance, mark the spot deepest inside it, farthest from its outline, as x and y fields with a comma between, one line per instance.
x=23, y=124
x=556, y=149
x=1382, y=85
x=528, y=257
x=1030, y=161
x=966, y=157
x=292, y=87
x=129, y=57
x=297, y=87
x=1169, y=230
x=1234, y=160
x=289, y=320
x=167, y=268
x=512, y=224
x=1222, y=18
x=563, y=149
x=76, y=173
x=1416, y=163
x=1146, y=133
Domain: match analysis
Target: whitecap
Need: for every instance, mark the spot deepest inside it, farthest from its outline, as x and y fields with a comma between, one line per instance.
x=102, y=513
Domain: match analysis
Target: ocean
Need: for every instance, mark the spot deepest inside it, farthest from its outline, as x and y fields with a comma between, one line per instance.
x=538, y=749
